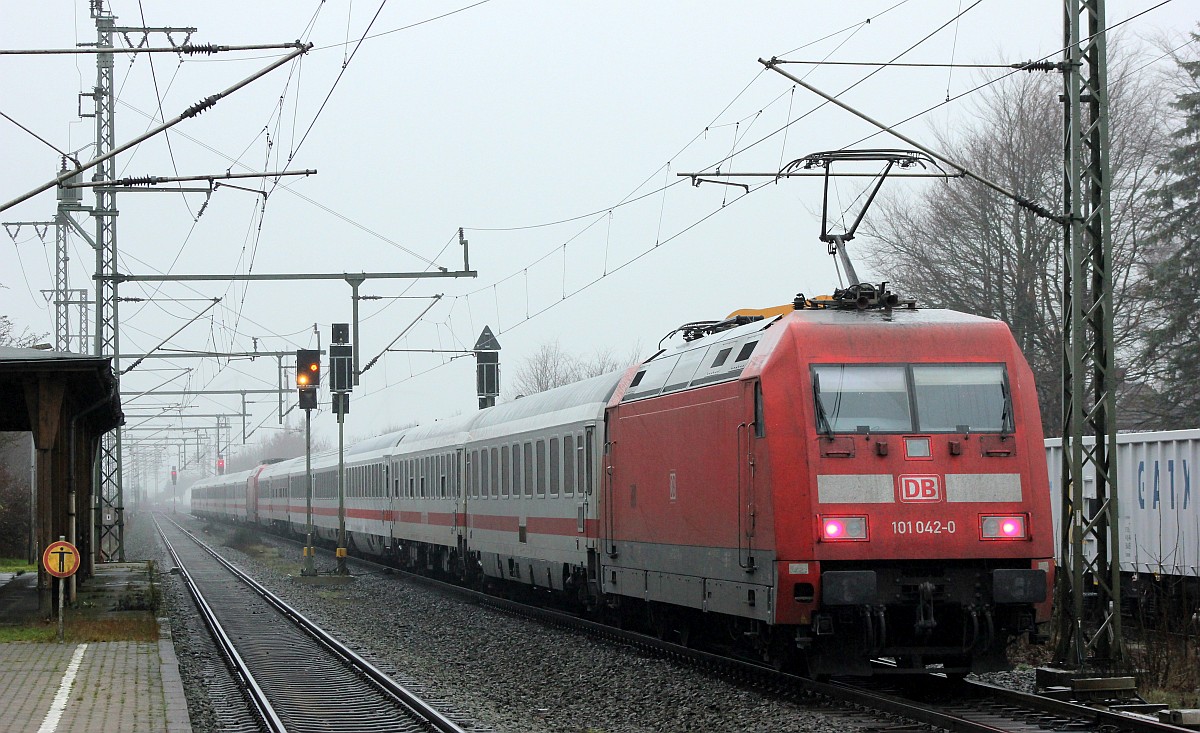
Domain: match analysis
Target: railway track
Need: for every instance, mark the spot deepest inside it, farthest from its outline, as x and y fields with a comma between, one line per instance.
x=296, y=676
x=938, y=703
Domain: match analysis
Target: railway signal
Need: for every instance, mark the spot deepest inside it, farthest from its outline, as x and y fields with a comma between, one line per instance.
x=341, y=366
x=308, y=377
x=487, y=368
x=308, y=368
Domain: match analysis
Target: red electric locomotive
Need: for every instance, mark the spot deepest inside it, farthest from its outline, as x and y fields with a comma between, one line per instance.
x=829, y=486
x=817, y=487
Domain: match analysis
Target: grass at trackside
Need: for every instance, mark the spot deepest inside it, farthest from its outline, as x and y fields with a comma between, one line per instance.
x=77, y=628
x=16, y=565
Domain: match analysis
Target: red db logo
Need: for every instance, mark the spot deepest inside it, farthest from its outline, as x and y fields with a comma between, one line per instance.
x=920, y=488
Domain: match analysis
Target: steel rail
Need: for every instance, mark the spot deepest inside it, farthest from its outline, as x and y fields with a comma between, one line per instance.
x=254, y=692
x=403, y=695
x=1099, y=717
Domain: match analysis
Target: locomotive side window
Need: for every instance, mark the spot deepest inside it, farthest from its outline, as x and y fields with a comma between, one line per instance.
x=722, y=356
x=854, y=397
x=747, y=350
x=682, y=374
x=959, y=398
x=651, y=379
x=760, y=422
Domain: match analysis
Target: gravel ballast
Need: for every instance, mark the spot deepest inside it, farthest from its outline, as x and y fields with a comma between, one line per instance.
x=502, y=673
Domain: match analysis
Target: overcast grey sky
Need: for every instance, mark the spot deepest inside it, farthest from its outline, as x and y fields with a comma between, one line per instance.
x=552, y=132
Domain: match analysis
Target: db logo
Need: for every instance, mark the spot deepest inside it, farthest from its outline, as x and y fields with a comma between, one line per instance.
x=920, y=488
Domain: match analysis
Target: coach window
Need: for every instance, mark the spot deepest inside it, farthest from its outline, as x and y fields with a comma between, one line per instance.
x=568, y=465
x=554, y=467
x=494, y=477
x=585, y=468
x=541, y=467
x=527, y=466
x=474, y=476
x=485, y=472
x=516, y=470
x=505, y=474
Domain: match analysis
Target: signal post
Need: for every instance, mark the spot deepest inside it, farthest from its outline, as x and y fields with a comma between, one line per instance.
x=308, y=378
x=341, y=367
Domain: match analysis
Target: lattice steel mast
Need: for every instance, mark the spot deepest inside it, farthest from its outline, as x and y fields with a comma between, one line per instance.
x=1088, y=634
x=110, y=502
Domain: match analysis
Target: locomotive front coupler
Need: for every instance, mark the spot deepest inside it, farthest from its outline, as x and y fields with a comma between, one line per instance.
x=926, y=623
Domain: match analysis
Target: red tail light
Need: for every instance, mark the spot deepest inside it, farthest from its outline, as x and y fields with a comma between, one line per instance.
x=1003, y=527
x=842, y=529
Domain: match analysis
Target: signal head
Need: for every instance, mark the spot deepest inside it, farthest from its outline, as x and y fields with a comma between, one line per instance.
x=308, y=368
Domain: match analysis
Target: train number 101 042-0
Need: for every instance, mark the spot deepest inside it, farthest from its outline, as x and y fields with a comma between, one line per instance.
x=932, y=526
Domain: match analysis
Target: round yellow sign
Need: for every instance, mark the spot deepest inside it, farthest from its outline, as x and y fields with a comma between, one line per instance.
x=61, y=559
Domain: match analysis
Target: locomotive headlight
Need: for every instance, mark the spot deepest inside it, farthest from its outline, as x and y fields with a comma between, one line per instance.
x=837, y=529
x=1009, y=527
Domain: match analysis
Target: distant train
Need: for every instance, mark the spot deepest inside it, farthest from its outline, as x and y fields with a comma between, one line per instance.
x=813, y=488
x=1158, y=519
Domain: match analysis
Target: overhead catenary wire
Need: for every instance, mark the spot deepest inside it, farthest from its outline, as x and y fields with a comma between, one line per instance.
x=192, y=111
x=1023, y=201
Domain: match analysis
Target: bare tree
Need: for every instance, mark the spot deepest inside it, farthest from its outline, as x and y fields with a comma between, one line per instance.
x=550, y=366
x=960, y=245
x=287, y=443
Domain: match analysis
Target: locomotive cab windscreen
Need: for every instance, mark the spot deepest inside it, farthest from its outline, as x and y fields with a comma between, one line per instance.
x=912, y=398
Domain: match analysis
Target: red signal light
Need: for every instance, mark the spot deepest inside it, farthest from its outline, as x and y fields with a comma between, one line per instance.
x=840, y=529
x=1007, y=527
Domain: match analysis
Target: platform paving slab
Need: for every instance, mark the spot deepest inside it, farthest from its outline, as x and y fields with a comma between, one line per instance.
x=92, y=687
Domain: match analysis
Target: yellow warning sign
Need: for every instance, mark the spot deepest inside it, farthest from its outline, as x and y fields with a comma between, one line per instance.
x=61, y=559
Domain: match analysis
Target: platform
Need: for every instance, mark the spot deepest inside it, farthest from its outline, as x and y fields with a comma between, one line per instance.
x=91, y=686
